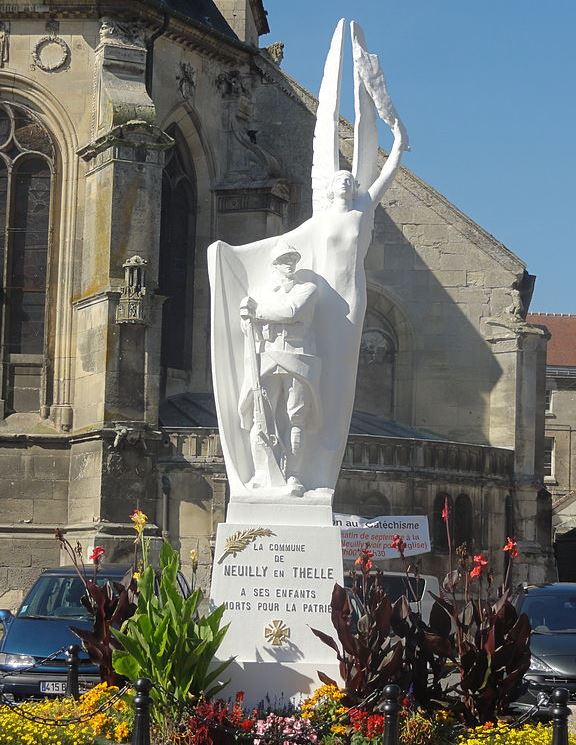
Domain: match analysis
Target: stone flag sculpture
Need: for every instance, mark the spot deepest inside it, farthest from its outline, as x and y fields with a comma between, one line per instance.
x=287, y=312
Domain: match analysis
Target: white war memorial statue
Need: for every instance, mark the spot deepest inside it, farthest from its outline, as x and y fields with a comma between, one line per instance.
x=287, y=312
x=287, y=316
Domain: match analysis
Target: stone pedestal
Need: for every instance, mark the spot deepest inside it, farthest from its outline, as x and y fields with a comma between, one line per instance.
x=275, y=577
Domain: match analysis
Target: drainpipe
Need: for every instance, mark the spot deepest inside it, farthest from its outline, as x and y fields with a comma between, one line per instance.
x=166, y=489
x=150, y=51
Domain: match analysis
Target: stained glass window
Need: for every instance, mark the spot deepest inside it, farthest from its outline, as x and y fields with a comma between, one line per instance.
x=26, y=167
x=177, y=256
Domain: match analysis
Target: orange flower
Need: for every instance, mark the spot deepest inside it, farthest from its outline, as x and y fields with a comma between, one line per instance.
x=365, y=559
x=476, y=571
x=399, y=544
x=480, y=559
x=446, y=510
x=512, y=547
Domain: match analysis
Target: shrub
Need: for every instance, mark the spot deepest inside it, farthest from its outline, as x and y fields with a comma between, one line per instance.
x=168, y=641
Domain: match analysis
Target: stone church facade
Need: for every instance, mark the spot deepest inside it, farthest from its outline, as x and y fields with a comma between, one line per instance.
x=133, y=133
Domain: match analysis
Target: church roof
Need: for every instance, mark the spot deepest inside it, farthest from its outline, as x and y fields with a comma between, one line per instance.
x=190, y=410
x=562, y=343
x=201, y=12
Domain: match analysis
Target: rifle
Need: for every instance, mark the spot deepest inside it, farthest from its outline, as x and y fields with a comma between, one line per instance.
x=267, y=471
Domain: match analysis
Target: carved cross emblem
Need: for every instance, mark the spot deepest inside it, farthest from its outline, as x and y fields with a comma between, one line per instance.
x=276, y=633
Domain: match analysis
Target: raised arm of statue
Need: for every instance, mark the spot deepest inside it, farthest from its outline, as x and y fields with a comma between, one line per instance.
x=388, y=172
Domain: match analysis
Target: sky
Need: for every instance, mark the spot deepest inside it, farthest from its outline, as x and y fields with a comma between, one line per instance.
x=487, y=90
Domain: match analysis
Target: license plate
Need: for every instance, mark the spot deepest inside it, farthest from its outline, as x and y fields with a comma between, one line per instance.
x=52, y=686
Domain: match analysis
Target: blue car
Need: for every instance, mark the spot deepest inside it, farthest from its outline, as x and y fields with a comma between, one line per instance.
x=41, y=627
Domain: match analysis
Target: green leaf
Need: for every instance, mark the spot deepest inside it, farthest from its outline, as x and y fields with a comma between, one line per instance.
x=124, y=664
x=131, y=646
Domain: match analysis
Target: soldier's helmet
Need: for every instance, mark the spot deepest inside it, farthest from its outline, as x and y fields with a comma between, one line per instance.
x=283, y=249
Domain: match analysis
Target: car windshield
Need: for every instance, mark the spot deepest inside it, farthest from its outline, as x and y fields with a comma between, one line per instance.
x=56, y=597
x=553, y=614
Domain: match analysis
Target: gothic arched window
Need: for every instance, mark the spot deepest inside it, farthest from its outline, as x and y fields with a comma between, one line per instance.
x=377, y=367
x=26, y=175
x=377, y=503
x=177, y=255
x=463, y=521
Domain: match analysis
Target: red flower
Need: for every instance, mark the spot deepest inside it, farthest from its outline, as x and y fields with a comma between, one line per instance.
x=476, y=571
x=240, y=697
x=446, y=510
x=399, y=544
x=97, y=553
x=375, y=725
x=512, y=547
x=246, y=724
x=358, y=719
x=365, y=559
x=481, y=560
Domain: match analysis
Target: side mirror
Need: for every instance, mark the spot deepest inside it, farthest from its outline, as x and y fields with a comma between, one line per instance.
x=5, y=615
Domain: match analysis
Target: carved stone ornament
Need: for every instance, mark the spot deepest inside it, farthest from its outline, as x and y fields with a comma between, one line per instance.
x=131, y=307
x=277, y=633
x=276, y=52
x=240, y=540
x=51, y=53
x=230, y=84
x=4, y=42
x=121, y=33
x=186, y=79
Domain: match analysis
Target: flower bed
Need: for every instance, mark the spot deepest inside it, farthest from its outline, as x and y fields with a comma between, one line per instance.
x=501, y=734
x=98, y=716
x=322, y=719
x=144, y=628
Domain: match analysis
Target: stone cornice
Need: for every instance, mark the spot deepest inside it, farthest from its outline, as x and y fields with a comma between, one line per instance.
x=29, y=439
x=133, y=134
x=181, y=29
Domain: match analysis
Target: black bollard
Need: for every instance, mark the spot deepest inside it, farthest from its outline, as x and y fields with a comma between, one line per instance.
x=390, y=709
x=72, y=663
x=141, y=734
x=560, y=714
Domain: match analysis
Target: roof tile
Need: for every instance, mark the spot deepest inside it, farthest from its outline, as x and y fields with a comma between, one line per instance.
x=562, y=344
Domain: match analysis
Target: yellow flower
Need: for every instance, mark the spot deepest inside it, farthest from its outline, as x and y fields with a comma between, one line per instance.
x=338, y=729
x=121, y=732
x=139, y=519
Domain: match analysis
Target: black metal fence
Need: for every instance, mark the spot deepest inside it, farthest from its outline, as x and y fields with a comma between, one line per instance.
x=558, y=707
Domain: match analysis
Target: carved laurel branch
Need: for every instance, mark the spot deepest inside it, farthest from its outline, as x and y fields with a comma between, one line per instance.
x=240, y=540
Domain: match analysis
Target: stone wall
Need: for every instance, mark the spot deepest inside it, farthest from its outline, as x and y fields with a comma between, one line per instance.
x=34, y=474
